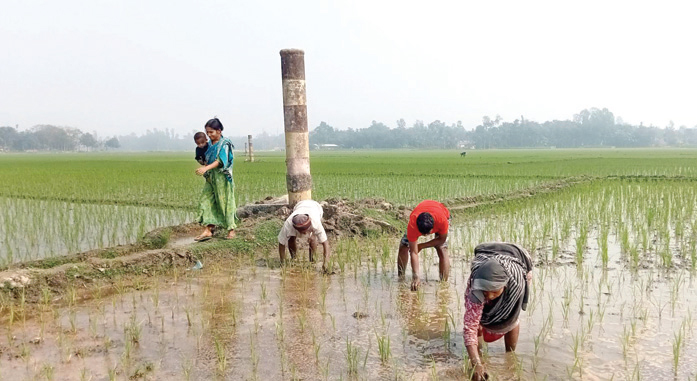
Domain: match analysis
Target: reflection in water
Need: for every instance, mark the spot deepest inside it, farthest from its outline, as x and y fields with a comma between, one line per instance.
x=235, y=320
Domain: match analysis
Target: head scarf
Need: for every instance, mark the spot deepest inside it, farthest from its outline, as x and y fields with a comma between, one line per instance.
x=497, y=264
x=490, y=276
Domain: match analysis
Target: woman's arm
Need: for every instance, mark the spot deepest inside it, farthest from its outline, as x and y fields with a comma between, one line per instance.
x=473, y=315
x=201, y=170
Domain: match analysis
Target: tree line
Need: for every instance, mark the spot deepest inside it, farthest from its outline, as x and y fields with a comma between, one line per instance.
x=589, y=128
x=52, y=138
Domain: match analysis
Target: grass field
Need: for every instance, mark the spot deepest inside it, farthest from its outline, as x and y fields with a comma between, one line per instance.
x=613, y=293
x=405, y=177
x=62, y=184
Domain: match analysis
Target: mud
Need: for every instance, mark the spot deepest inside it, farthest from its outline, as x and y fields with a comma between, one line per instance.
x=237, y=320
x=244, y=317
x=171, y=247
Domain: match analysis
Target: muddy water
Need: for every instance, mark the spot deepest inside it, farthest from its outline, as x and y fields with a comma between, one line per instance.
x=247, y=321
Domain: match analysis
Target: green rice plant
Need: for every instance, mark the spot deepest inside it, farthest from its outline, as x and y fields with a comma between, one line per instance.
x=693, y=251
x=111, y=371
x=634, y=256
x=434, y=371
x=302, y=320
x=263, y=291
x=83, y=374
x=254, y=356
x=49, y=371
x=72, y=318
x=581, y=243
x=186, y=366
x=221, y=356
x=677, y=345
x=351, y=358
x=603, y=243
x=624, y=239
x=383, y=347
x=316, y=347
x=133, y=330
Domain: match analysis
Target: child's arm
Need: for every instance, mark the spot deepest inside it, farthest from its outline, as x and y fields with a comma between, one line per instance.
x=207, y=168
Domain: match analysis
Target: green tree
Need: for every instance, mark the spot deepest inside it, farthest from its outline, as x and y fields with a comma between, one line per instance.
x=112, y=143
x=88, y=141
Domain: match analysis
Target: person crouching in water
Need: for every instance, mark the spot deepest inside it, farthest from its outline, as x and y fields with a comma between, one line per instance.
x=429, y=217
x=304, y=221
x=497, y=290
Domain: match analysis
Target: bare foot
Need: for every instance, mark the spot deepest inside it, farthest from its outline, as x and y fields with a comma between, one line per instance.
x=206, y=234
x=231, y=234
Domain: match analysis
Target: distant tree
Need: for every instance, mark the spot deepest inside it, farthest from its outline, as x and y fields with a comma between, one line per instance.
x=55, y=138
x=88, y=140
x=323, y=134
x=8, y=137
x=112, y=143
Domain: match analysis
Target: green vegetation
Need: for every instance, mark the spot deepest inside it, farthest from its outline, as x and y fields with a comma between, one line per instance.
x=53, y=204
x=167, y=180
x=612, y=235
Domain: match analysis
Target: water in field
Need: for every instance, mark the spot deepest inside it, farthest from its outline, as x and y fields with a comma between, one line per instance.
x=244, y=320
x=614, y=295
x=32, y=229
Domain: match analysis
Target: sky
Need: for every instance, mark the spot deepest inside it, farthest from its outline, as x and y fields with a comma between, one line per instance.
x=120, y=67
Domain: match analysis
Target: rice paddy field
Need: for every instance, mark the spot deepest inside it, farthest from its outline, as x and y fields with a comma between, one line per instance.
x=614, y=288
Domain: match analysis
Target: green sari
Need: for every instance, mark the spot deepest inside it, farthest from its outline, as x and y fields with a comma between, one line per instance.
x=217, y=202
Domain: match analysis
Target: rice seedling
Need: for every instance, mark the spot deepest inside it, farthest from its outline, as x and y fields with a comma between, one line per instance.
x=677, y=346
x=111, y=371
x=221, y=356
x=383, y=347
x=434, y=371
x=351, y=358
x=83, y=375
x=254, y=356
x=186, y=366
x=613, y=213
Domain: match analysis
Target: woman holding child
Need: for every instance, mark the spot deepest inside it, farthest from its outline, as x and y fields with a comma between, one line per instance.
x=217, y=203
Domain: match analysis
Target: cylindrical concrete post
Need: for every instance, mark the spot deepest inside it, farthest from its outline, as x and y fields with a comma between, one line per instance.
x=298, y=178
x=245, y=148
x=250, y=149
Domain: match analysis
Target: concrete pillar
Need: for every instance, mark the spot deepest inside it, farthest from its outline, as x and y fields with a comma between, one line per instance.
x=245, y=148
x=250, y=149
x=298, y=178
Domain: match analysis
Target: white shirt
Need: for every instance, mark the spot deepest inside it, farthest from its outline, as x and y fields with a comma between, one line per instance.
x=314, y=210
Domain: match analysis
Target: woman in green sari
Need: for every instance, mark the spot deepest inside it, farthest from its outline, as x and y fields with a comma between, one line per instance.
x=217, y=203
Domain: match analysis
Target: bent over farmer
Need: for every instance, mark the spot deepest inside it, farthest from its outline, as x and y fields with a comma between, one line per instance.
x=429, y=217
x=497, y=290
x=304, y=221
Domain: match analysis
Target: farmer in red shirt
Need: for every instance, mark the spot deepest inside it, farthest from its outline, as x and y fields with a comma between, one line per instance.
x=429, y=217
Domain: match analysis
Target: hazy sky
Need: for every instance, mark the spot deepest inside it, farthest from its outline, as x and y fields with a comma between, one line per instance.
x=117, y=67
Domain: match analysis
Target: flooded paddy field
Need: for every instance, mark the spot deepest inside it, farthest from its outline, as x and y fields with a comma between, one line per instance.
x=256, y=322
x=36, y=229
x=614, y=294
x=612, y=235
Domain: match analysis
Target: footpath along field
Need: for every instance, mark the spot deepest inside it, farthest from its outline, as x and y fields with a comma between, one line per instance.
x=612, y=234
